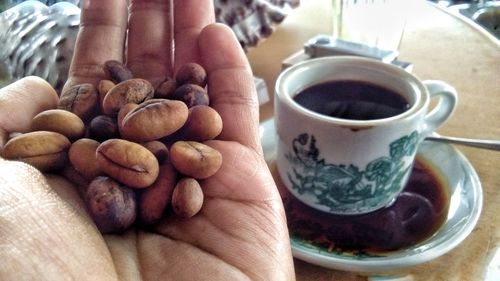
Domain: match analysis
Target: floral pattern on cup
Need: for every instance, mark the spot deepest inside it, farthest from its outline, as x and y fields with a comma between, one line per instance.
x=342, y=188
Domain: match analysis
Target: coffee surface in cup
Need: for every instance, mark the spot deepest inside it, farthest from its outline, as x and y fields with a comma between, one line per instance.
x=351, y=99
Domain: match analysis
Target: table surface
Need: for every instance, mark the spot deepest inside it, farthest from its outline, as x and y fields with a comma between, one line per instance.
x=441, y=46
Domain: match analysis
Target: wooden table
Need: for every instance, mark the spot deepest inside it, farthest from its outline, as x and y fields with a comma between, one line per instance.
x=441, y=46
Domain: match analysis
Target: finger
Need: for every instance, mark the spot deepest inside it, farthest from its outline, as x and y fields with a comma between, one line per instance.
x=101, y=37
x=150, y=39
x=191, y=16
x=231, y=87
x=21, y=101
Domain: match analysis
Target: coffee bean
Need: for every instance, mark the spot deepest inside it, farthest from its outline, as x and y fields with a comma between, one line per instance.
x=159, y=150
x=59, y=121
x=155, y=198
x=82, y=156
x=111, y=205
x=203, y=123
x=191, y=73
x=103, y=88
x=129, y=91
x=46, y=151
x=103, y=127
x=153, y=119
x=195, y=159
x=117, y=71
x=130, y=163
x=191, y=94
x=165, y=89
x=187, y=198
x=82, y=100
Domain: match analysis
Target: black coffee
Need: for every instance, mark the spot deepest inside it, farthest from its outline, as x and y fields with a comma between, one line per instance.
x=350, y=99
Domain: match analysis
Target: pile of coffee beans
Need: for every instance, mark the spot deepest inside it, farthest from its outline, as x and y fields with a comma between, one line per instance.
x=132, y=148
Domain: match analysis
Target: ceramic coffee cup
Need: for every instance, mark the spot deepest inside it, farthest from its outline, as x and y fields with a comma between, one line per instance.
x=349, y=128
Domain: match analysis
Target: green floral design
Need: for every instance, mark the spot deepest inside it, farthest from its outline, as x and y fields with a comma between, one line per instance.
x=342, y=188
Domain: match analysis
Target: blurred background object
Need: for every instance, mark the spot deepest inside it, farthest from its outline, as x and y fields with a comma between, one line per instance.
x=485, y=13
x=37, y=37
x=377, y=23
x=6, y=4
x=253, y=20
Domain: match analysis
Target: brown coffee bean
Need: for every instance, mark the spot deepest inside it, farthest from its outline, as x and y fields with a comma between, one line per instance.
x=191, y=94
x=82, y=100
x=123, y=112
x=159, y=150
x=195, y=159
x=153, y=119
x=111, y=205
x=187, y=198
x=76, y=178
x=203, y=123
x=82, y=155
x=117, y=71
x=129, y=163
x=103, y=88
x=165, y=89
x=129, y=91
x=191, y=73
x=155, y=198
x=103, y=128
x=59, y=121
x=46, y=151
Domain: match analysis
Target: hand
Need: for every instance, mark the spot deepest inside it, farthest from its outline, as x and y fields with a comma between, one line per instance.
x=240, y=233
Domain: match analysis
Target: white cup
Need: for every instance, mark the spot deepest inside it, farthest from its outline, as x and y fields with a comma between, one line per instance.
x=344, y=166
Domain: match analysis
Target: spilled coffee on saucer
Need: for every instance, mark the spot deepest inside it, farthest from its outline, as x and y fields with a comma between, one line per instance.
x=354, y=100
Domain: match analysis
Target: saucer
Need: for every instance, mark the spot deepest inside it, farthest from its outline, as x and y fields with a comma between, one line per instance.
x=464, y=207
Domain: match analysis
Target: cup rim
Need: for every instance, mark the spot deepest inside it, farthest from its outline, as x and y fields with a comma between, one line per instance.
x=285, y=96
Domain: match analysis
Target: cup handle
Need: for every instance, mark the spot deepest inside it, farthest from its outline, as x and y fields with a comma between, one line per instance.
x=443, y=110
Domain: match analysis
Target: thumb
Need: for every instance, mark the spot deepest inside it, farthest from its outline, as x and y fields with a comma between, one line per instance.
x=21, y=101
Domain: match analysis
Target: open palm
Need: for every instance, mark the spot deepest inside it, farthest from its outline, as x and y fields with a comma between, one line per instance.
x=240, y=233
